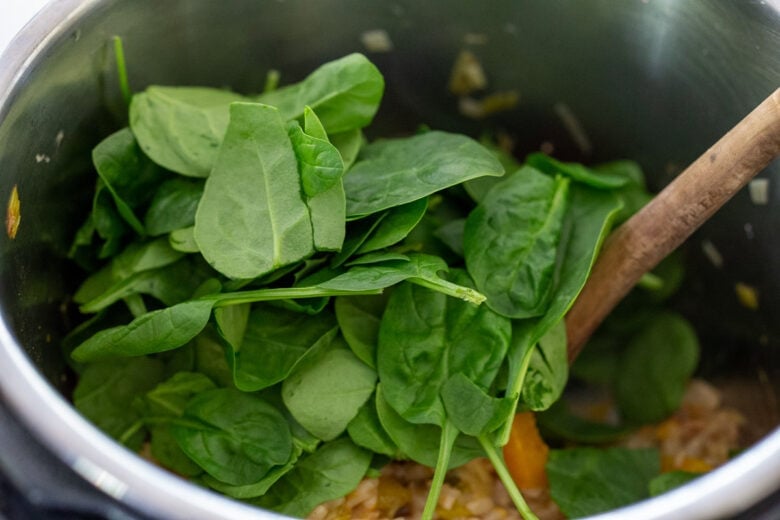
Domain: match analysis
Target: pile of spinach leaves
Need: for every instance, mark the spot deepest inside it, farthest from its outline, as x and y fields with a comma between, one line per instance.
x=278, y=306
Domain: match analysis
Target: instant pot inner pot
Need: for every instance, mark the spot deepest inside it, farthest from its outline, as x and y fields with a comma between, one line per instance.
x=656, y=82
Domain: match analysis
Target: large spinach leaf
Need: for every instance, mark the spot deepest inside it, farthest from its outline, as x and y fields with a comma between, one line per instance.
x=511, y=242
x=173, y=206
x=425, y=338
x=655, y=368
x=274, y=342
x=345, y=94
x=395, y=226
x=587, y=481
x=366, y=431
x=359, y=318
x=181, y=128
x=410, y=168
x=251, y=219
x=127, y=174
x=588, y=220
x=134, y=259
x=234, y=436
x=605, y=178
x=106, y=391
x=331, y=472
x=326, y=390
x=156, y=331
x=422, y=442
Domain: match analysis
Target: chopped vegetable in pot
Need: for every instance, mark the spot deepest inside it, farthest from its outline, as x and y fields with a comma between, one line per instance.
x=289, y=314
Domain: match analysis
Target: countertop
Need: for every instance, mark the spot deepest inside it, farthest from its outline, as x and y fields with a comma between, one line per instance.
x=13, y=15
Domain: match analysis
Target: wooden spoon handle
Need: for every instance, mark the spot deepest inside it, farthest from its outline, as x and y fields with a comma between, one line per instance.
x=673, y=215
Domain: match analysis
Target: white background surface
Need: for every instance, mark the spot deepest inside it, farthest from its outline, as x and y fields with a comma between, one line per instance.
x=13, y=15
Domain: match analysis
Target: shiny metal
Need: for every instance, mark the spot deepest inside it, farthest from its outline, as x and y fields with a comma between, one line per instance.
x=653, y=80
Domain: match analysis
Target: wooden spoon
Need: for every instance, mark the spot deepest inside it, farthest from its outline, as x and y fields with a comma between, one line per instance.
x=673, y=215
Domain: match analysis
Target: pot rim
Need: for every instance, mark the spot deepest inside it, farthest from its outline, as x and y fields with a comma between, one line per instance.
x=146, y=488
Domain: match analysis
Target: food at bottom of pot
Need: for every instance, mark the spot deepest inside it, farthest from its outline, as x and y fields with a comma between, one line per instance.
x=289, y=314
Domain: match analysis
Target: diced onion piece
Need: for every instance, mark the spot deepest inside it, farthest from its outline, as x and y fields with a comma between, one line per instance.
x=467, y=75
x=13, y=214
x=759, y=191
x=712, y=253
x=573, y=125
x=376, y=40
x=747, y=295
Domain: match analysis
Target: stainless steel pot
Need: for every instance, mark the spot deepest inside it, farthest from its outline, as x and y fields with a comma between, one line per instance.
x=652, y=80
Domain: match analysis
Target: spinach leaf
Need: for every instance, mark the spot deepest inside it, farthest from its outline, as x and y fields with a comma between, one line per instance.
x=356, y=234
x=156, y=331
x=558, y=422
x=358, y=318
x=669, y=481
x=181, y=128
x=598, y=364
x=126, y=173
x=425, y=338
x=511, y=242
x=170, y=397
x=587, y=223
x=587, y=481
x=275, y=341
x=345, y=94
x=171, y=284
x=366, y=431
x=107, y=222
x=320, y=163
x=421, y=442
x=166, y=451
x=408, y=169
x=451, y=234
x=234, y=436
x=378, y=257
x=136, y=258
x=331, y=472
x=548, y=370
x=231, y=323
x=470, y=408
x=210, y=357
x=168, y=400
x=655, y=369
x=251, y=219
x=478, y=188
x=173, y=206
x=326, y=390
x=106, y=391
x=258, y=488
x=183, y=240
x=321, y=169
x=605, y=178
x=395, y=226
x=348, y=144
x=589, y=219
x=633, y=193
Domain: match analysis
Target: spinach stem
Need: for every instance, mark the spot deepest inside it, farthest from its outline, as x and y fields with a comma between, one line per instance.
x=132, y=430
x=448, y=435
x=121, y=70
x=503, y=473
x=514, y=389
x=282, y=293
x=457, y=291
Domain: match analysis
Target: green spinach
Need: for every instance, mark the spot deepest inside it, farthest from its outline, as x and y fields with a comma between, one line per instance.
x=411, y=168
x=251, y=218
